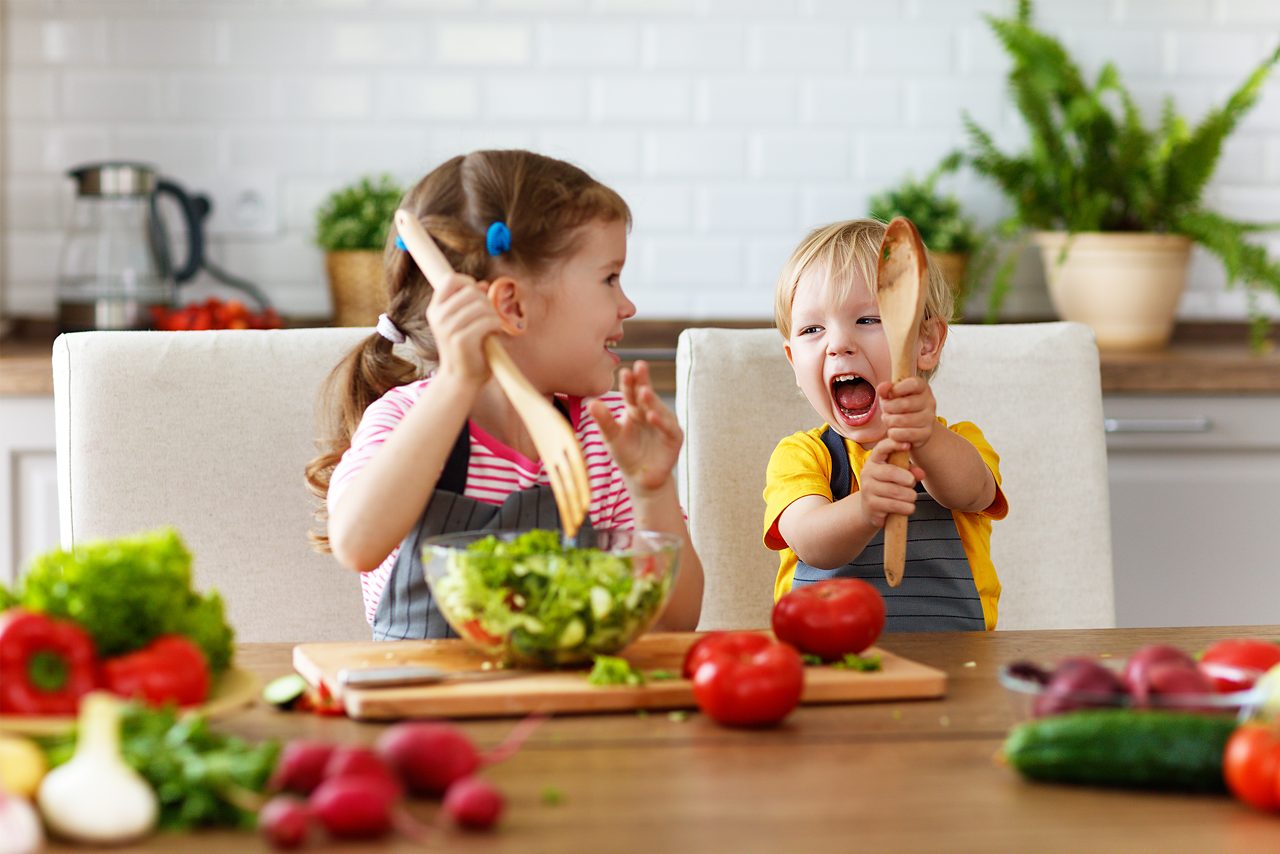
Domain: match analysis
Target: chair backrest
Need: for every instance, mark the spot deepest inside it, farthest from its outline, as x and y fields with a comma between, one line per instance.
x=1033, y=389
x=208, y=432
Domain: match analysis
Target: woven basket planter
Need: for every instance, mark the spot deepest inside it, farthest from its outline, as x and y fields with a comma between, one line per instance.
x=357, y=286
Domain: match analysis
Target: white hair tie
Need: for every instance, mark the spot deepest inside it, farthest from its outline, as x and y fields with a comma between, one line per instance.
x=387, y=329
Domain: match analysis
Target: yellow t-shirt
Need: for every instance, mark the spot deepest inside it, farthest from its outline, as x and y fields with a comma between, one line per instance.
x=801, y=465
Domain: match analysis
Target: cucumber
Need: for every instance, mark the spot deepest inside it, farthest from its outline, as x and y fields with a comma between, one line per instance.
x=1123, y=747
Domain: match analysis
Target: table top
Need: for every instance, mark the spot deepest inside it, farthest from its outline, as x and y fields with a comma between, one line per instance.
x=898, y=775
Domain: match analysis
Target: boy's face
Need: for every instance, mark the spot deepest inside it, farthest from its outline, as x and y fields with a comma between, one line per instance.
x=839, y=354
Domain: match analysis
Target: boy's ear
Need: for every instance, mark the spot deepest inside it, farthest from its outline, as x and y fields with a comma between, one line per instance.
x=791, y=360
x=933, y=334
x=506, y=297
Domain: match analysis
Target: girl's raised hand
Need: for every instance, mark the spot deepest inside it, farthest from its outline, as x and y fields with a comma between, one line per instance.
x=461, y=318
x=646, y=441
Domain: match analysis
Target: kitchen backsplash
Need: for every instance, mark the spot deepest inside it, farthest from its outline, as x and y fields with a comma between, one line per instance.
x=731, y=126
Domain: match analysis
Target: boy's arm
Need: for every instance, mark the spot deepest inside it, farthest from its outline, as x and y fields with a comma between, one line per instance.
x=823, y=533
x=954, y=472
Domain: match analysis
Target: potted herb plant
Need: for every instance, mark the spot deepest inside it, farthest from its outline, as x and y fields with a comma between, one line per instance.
x=950, y=235
x=1114, y=206
x=351, y=226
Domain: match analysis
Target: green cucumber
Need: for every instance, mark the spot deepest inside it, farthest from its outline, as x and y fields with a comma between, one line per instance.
x=1123, y=747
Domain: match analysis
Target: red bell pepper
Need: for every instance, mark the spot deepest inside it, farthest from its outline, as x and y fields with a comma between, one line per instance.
x=171, y=669
x=46, y=665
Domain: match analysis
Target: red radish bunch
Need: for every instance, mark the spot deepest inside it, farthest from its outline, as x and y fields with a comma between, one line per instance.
x=355, y=792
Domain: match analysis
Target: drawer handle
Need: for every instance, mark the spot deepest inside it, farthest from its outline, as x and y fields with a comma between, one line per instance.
x=1199, y=424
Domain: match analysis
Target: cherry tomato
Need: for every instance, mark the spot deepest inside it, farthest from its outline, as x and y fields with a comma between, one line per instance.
x=830, y=619
x=722, y=643
x=747, y=689
x=1251, y=765
x=1250, y=656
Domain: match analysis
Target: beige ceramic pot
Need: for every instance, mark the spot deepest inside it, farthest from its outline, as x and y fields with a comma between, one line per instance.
x=1126, y=286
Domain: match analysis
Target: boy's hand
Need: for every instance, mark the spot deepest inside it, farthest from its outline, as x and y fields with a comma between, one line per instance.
x=887, y=490
x=908, y=410
x=645, y=443
x=461, y=318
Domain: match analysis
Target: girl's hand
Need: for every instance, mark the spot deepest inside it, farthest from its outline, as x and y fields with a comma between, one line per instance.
x=909, y=410
x=461, y=318
x=886, y=489
x=645, y=443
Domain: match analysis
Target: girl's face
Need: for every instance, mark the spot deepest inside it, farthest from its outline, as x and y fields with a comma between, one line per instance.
x=576, y=321
x=839, y=354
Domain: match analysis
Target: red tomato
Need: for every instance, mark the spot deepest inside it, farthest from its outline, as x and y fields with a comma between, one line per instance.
x=1251, y=765
x=1250, y=655
x=755, y=688
x=831, y=618
x=722, y=643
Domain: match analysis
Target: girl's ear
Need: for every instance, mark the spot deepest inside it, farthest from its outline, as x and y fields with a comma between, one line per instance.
x=933, y=334
x=505, y=294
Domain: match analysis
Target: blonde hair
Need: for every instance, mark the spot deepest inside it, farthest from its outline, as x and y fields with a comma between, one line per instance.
x=845, y=251
x=543, y=202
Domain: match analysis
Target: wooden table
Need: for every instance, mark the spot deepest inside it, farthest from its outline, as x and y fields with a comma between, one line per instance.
x=894, y=776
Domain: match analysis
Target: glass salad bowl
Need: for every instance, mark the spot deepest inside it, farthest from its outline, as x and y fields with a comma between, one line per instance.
x=539, y=599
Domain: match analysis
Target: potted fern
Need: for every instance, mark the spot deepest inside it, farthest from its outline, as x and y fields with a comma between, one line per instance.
x=1114, y=206
x=351, y=226
x=950, y=235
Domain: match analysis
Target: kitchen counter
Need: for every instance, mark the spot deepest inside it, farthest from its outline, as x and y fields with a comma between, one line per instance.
x=1204, y=358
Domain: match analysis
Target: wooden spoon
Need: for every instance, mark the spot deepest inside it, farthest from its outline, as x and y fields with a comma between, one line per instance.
x=900, y=290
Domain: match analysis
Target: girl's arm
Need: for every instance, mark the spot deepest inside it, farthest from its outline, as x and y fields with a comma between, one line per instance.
x=659, y=510
x=380, y=506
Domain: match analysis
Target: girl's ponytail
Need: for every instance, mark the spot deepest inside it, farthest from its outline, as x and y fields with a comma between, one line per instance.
x=363, y=376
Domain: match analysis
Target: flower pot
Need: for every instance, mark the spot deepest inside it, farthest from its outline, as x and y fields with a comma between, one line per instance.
x=1126, y=286
x=357, y=286
x=953, y=266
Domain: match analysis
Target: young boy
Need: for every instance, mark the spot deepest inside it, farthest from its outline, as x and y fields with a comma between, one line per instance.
x=829, y=490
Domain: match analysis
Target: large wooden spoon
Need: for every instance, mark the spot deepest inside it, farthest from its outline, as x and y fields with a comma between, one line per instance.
x=900, y=290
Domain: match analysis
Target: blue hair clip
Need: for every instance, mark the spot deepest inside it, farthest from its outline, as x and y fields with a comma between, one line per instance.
x=498, y=239
x=400, y=244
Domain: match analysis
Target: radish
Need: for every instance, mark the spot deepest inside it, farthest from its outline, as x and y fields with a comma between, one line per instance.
x=473, y=803
x=302, y=766
x=430, y=756
x=284, y=821
x=354, y=807
x=351, y=761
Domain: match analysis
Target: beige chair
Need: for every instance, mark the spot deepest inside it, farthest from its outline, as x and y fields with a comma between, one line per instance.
x=1033, y=389
x=208, y=432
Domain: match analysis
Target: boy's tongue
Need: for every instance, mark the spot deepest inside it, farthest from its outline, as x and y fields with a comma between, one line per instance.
x=854, y=395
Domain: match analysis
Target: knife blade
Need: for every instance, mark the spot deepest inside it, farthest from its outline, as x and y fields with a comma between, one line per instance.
x=392, y=677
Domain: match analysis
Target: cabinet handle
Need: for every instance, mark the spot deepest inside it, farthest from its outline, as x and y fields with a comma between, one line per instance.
x=1199, y=424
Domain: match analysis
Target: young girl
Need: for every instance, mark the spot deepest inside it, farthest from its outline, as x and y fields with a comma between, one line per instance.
x=538, y=246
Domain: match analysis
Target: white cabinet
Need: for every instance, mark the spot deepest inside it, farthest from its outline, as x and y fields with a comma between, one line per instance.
x=28, y=482
x=1195, y=508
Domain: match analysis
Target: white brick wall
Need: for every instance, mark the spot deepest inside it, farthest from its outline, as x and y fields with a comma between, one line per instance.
x=732, y=126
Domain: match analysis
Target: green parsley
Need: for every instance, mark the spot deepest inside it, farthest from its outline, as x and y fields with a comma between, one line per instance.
x=860, y=663
x=552, y=797
x=612, y=670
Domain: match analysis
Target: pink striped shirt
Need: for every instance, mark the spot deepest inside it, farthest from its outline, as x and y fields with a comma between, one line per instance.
x=494, y=472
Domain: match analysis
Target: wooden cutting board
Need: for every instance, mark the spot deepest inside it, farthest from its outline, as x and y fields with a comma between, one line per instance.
x=560, y=691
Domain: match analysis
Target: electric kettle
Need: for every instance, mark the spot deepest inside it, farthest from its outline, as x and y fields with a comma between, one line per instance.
x=116, y=262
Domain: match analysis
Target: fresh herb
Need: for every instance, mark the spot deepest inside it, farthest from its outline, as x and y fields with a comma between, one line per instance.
x=552, y=797
x=661, y=675
x=679, y=716
x=359, y=215
x=127, y=592
x=202, y=778
x=549, y=602
x=612, y=670
x=860, y=663
x=811, y=660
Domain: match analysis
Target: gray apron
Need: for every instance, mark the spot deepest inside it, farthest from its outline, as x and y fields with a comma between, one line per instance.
x=937, y=593
x=407, y=610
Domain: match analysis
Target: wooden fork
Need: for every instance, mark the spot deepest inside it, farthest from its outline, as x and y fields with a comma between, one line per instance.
x=552, y=436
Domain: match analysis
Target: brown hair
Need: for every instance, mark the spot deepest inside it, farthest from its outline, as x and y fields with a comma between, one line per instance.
x=846, y=250
x=543, y=202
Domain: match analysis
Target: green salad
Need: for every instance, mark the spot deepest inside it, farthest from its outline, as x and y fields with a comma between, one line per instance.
x=538, y=601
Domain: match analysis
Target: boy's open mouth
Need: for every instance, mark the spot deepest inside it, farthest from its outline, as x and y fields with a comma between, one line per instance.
x=853, y=396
